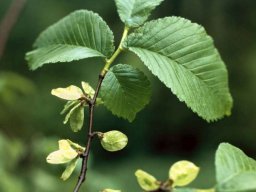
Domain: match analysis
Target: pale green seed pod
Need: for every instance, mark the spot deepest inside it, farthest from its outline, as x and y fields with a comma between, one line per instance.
x=113, y=140
x=183, y=172
x=146, y=181
x=110, y=190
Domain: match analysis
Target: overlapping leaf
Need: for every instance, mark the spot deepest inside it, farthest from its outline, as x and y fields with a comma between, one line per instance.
x=183, y=57
x=82, y=34
x=125, y=91
x=235, y=171
x=135, y=12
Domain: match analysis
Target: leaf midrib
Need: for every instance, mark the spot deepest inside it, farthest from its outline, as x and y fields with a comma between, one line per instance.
x=179, y=64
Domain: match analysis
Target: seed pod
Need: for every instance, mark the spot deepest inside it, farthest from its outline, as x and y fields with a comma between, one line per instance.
x=110, y=190
x=113, y=140
x=146, y=181
x=183, y=172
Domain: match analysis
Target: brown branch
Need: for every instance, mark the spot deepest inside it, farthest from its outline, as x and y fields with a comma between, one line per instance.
x=9, y=21
x=90, y=135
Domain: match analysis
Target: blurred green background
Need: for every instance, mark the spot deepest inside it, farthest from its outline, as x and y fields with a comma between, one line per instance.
x=164, y=132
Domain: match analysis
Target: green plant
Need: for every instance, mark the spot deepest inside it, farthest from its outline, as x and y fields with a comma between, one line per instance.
x=235, y=172
x=178, y=52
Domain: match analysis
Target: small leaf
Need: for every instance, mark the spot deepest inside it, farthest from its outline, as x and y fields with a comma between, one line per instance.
x=82, y=34
x=69, y=93
x=77, y=119
x=125, y=91
x=69, y=169
x=67, y=117
x=99, y=101
x=64, y=155
x=68, y=106
x=114, y=140
x=76, y=146
x=184, y=58
x=146, y=181
x=110, y=190
x=88, y=89
x=235, y=171
x=135, y=12
x=183, y=172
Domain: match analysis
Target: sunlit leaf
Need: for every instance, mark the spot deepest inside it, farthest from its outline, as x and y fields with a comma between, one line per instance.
x=64, y=155
x=183, y=57
x=69, y=93
x=235, y=171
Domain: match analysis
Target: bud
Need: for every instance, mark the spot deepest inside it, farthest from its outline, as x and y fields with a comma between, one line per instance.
x=183, y=172
x=146, y=181
x=113, y=140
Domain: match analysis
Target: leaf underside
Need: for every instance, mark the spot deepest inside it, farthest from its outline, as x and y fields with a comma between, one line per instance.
x=183, y=57
x=82, y=34
x=125, y=91
x=236, y=172
x=135, y=12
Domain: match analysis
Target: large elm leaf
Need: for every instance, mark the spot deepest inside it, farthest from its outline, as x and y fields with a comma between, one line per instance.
x=125, y=91
x=235, y=171
x=82, y=34
x=184, y=58
x=135, y=12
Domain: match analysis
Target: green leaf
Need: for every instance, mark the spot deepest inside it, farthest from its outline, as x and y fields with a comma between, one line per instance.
x=183, y=57
x=67, y=117
x=125, y=91
x=68, y=106
x=69, y=169
x=146, y=181
x=236, y=172
x=113, y=140
x=82, y=34
x=135, y=12
x=77, y=119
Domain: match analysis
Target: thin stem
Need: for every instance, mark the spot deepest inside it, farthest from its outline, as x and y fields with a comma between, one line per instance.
x=117, y=52
x=92, y=104
x=9, y=21
x=90, y=135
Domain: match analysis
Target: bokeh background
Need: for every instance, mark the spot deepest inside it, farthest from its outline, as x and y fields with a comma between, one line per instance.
x=164, y=132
